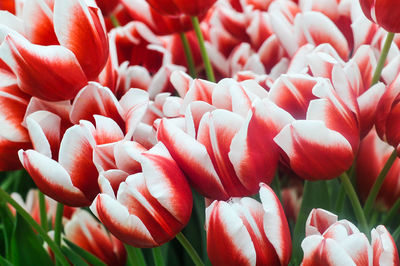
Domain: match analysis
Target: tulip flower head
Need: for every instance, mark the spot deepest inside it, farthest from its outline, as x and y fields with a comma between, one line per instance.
x=383, y=12
x=181, y=7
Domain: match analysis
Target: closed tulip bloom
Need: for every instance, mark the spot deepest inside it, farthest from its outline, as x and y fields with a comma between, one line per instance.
x=149, y=207
x=223, y=153
x=243, y=231
x=63, y=45
x=181, y=7
x=371, y=158
x=87, y=233
x=385, y=13
x=332, y=242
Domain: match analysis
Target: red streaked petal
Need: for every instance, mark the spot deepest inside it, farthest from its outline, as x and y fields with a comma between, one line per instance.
x=52, y=179
x=228, y=241
x=107, y=130
x=368, y=103
x=275, y=224
x=319, y=251
x=192, y=158
x=120, y=222
x=76, y=153
x=315, y=152
x=95, y=99
x=38, y=18
x=293, y=93
x=47, y=72
x=9, y=154
x=13, y=104
x=252, y=151
x=216, y=131
x=84, y=231
x=384, y=247
x=318, y=221
x=318, y=29
x=81, y=29
x=166, y=182
x=45, y=132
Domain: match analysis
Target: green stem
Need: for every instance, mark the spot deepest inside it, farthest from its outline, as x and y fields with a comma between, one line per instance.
x=204, y=55
x=54, y=247
x=373, y=193
x=382, y=58
x=189, y=249
x=188, y=55
x=114, y=21
x=351, y=193
x=392, y=212
x=43, y=213
x=340, y=200
x=135, y=256
x=157, y=257
x=58, y=223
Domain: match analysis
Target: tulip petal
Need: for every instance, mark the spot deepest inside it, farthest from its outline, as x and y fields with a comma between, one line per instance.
x=315, y=152
x=254, y=155
x=38, y=17
x=13, y=104
x=47, y=72
x=81, y=29
x=120, y=222
x=192, y=158
x=275, y=224
x=52, y=179
x=228, y=241
x=95, y=99
x=216, y=131
x=76, y=156
x=44, y=131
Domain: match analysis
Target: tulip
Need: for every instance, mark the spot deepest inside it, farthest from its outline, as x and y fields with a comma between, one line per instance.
x=13, y=135
x=384, y=247
x=332, y=242
x=243, y=231
x=383, y=13
x=147, y=208
x=84, y=231
x=107, y=6
x=161, y=25
x=222, y=152
x=371, y=158
x=64, y=44
x=31, y=205
x=72, y=179
x=179, y=7
x=387, y=115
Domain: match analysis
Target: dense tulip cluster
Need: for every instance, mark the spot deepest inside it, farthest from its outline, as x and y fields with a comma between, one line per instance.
x=99, y=109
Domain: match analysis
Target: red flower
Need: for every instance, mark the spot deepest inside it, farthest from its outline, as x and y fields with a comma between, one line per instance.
x=87, y=233
x=385, y=13
x=332, y=242
x=244, y=231
x=371, y=158
x=147, y=202
x=181, y=7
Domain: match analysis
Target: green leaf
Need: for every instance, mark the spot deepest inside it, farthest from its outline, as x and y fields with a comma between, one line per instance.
x=316, y=195
x=5, y=262
x=8, y=223
x=73, y=257
x=89, y=257
x=27, y=247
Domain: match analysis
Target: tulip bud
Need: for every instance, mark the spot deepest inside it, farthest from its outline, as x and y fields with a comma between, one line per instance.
x=181, y=7
x=244, y=231
x=383, y=13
